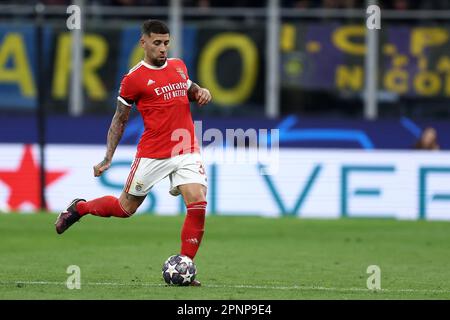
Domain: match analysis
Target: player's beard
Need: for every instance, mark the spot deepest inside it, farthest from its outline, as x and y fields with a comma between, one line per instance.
x=159, y=62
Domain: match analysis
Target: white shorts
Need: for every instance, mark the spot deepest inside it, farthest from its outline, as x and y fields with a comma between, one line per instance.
x=181, y=169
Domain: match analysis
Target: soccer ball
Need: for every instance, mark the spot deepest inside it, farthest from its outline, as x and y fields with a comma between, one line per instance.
x=179, y=270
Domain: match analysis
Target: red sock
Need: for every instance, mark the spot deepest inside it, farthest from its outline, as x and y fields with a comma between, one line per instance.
x=106, y=206
x=193, y=228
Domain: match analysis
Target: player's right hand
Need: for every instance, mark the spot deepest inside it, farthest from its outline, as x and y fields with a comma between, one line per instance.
x=101, y=167
x=203, y=96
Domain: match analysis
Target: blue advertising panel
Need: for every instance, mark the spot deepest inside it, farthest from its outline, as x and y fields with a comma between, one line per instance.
x=294, y=132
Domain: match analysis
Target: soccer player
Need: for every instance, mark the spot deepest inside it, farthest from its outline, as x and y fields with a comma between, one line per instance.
x=161, y=90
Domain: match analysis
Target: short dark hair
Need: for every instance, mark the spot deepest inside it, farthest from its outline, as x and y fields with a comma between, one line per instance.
x=154, y=26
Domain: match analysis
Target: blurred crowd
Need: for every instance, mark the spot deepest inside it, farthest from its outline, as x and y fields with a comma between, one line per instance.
x=332, y=4
x=384, y=4
x=428, y=140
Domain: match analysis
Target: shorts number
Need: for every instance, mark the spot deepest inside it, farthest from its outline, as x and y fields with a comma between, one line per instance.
x=201, y=170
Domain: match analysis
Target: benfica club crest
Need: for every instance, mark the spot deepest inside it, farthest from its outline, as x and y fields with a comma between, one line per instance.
x=181, y=72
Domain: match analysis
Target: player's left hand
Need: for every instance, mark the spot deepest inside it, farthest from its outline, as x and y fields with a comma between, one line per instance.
x=203, y=96
x=101, y=167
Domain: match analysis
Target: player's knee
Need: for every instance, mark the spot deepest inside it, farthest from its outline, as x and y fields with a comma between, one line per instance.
x=128, y=208
x=130, y=203
x=131, y=211
x=195, y=195
x=195, y=198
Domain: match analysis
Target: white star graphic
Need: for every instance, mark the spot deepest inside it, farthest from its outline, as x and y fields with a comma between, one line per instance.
x=171, y=270
x=187, y=277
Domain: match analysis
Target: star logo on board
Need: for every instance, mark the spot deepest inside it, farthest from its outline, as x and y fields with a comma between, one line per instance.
x=24, y=181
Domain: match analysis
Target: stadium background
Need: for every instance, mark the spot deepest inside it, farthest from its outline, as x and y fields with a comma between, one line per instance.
x=304, y=67
x=316, y=100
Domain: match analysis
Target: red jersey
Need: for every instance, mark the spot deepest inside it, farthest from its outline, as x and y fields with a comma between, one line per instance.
x=160, y=95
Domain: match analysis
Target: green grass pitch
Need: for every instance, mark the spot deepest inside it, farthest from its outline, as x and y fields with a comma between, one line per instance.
x=240, y=258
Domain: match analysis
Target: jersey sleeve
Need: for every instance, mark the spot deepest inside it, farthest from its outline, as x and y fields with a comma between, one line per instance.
x=128, y=91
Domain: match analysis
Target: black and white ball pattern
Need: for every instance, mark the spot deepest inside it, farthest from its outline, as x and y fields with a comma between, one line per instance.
x=179, y=270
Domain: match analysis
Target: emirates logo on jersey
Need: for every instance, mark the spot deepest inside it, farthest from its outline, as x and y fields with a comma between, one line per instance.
x=181, y=72
x=172, y=90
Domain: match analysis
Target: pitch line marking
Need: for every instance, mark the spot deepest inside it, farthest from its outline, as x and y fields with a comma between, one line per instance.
x=300, y=288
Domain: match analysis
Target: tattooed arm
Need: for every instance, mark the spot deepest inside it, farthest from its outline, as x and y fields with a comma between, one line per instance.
x=115, y=132
x=198, y=94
